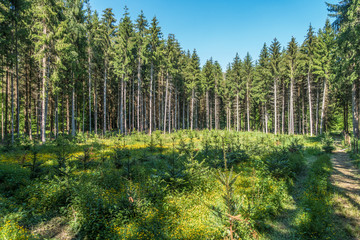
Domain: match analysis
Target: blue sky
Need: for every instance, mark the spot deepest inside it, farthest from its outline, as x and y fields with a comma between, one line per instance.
x=220, y=29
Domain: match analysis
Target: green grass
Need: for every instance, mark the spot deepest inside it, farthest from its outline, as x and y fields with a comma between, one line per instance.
x=143, y=187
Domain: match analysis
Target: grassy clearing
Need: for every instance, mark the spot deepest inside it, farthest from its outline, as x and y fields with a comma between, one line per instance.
x=159, y=187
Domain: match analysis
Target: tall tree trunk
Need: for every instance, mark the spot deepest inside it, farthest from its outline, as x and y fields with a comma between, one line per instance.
x=122, y=105
x=105, y=109
x=355, y=110
x=291, y=118
x=2, y=109
x=150, y=98
x=166, y=97
x=95, y=108
x=133, y=106
x=266, y=119
x=283, y=109
x=138, y=93
x=17, y=80
x=56, y=116
x=124, y=102
x=12, y=107
x=317, y=112
x=89, y=88
x=303, y=114
x=247, y=106
x=237, y=112
x=169, y=111
x=183, y=114
x=37, y=104
x=310, y=103
x=323, y=106
x=216, y=108
x=207, y=110
x=192, y=110
x=275, y=106
x=73, y=107
x=43, y=93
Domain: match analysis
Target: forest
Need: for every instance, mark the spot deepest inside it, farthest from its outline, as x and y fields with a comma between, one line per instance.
x=67, y=70
x=111, y=130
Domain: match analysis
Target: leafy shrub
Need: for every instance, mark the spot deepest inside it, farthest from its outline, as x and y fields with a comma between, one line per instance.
x=328, y=143
x=295, y=146
x=12, y=177
x=283, y=164
x=10, y=229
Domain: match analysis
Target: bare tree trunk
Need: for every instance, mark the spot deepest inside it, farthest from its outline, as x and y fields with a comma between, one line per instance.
x=124, y=101
x=237, y=112
x=166, y=97
x=176, y=110
x=275, y=105
x=138, y=94
x=105, y=109
x=37, y=104
x=17, y=81
x=43, y=97
x=207, y=110
x=355, y=110
x=216, y=108
x=266, y=119
x=56, y=116
x=183, y=114
x=89, y=88
x=95, y=108
x=150, y=99
x=121, y=120
x=310, y=103
x=2, y=109
x=133, y=106
x=283, y=110
x=291, y=117
x=303, y=114
x=12, y=107
x=317, y=112
x=188, y=115
x=192, y=109
x=323, y=106
x=73, y=107
x=248, y=106
x=169, y=111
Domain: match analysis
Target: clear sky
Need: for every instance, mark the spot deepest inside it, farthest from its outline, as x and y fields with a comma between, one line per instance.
x=222, y=28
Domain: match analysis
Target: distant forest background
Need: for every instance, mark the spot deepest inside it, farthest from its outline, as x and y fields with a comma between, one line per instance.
x=66, y=69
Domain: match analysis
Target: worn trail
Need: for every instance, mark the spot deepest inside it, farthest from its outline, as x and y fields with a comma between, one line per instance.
x=346, y=181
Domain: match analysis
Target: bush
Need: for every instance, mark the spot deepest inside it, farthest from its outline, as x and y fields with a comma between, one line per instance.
x=12, y=177
x=284, y=165
x=328, y=143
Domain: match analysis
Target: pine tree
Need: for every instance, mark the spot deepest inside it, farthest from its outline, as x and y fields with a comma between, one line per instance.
x=207, y=84
x=308, y=51
x=155, y=54
x=248, y=76
x=141, y=44
x=292, y=56
x=192, y=79
x=323, y=60
x=108, y=31
x=275, y=66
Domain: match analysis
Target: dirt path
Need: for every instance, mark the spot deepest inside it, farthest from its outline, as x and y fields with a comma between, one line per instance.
x=346, y=181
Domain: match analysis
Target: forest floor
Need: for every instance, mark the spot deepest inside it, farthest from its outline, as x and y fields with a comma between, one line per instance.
x=346, y=182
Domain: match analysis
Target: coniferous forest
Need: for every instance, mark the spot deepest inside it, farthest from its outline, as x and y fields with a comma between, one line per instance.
x=111, y=130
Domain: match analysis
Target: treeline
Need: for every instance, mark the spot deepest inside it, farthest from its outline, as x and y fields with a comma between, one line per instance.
x=65, y=69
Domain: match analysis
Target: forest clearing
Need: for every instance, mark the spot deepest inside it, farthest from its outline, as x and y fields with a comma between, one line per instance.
x=184, y=185
x=112, y=129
